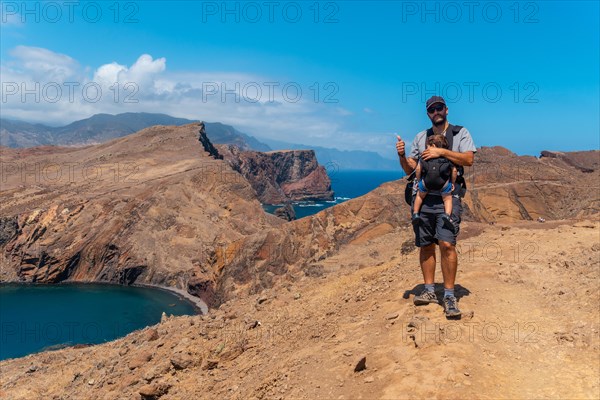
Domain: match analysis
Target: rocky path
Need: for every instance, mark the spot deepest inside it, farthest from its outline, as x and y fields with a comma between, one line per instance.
x=529, y=296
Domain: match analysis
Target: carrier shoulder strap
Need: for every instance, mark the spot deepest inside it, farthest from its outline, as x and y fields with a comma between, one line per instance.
x=451, y=131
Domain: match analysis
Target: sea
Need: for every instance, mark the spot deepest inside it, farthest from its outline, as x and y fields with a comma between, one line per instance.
x=35, y=318
x=346, y=184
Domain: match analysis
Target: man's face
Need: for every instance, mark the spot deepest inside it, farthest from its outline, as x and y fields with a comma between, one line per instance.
x=437, y=113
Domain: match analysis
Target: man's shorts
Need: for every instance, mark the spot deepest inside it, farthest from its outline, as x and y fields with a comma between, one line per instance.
x=432, y=229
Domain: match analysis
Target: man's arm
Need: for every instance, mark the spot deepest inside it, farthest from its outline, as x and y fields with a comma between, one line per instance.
x=418, y=171
x=407, y=164
x=464, y=159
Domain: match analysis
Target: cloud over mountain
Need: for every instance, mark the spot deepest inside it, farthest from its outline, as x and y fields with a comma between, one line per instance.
x=40, y=85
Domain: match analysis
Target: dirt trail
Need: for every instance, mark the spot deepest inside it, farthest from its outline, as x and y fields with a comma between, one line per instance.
x=530, y=325
x=530, y=302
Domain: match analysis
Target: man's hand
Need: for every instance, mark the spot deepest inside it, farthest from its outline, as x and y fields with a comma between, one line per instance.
x=433, y=152
x=400, y=147
x=408, y=164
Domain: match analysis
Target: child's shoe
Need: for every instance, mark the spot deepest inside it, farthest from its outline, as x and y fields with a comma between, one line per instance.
x=416, y=219
x=449, y=224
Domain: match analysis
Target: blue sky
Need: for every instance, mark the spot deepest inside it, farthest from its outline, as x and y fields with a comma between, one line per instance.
x=524, y=75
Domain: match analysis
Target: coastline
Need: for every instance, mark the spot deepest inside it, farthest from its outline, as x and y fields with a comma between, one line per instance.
x=198, y=304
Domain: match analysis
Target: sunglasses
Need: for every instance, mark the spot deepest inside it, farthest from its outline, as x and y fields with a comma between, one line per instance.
x=437, y=107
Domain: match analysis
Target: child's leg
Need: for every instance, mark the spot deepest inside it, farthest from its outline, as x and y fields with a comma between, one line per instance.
x=447, y=216
x=420, y=197
x=419, y=201
x=447, y=198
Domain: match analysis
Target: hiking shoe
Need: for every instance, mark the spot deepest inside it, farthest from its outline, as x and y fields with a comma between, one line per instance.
x=449, y=224
x=416, y=219
x=425, y=297
x=450, y=307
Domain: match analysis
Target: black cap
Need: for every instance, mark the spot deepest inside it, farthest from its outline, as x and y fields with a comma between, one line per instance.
x=434, y=99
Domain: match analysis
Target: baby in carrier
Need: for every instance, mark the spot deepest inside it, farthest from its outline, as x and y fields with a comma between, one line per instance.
x=435, y=175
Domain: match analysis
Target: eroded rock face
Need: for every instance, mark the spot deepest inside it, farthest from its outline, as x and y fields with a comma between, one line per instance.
x=148, y=208
x=161, y=210
x=505, y=187
x=257, y=261
x=585, y=161
x=286, y=212
x=281, y=176
x=8, y=229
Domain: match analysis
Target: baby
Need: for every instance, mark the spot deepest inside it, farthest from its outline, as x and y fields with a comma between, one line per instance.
x=436, y=174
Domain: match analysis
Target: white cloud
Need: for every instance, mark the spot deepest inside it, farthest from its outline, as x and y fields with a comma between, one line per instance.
x=44, y=64
x=254, y=104
x=343, y=112
x=109, y=73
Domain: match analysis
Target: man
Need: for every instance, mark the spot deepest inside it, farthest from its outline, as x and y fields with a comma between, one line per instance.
x=432, y=230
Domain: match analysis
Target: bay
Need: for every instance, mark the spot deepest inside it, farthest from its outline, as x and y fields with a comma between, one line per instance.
x=43, y=317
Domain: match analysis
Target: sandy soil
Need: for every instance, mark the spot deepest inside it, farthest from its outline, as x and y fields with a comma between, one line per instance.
x=530, y=329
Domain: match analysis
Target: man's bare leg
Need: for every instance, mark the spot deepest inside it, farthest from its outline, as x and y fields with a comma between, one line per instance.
x=449, y=267
x=449, y=263
x=427, y=261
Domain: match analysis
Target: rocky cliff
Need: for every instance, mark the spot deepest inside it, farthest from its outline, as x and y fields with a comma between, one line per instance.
x=319, y=307
x=281, y=176
x=158, y=208
x=505, y=187
x=154, y=207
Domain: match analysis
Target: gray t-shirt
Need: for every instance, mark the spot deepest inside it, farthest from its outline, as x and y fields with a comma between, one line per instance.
x=462, y=142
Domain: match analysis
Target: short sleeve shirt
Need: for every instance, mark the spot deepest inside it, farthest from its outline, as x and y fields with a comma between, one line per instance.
x=461, y=143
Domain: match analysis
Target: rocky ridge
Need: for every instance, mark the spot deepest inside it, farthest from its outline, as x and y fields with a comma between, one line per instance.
x=297, y=306
x=150, y=208
x=504, y=187
x=351, y=331
x=281, y=176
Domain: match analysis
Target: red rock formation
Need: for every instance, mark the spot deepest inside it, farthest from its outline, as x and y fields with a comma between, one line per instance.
x=148, y=208
x=504, y=187
x=281, y=176
x=161, y=210
x=585, y=161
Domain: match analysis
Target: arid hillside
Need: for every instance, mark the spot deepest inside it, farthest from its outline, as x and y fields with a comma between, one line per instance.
x=295, y=306
x=505, y=187
x=148, y=208
x=530, y=329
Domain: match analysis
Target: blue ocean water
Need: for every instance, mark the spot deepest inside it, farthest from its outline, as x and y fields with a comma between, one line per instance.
x=41, y=317
x=347, y=184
